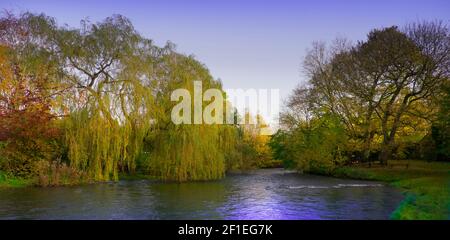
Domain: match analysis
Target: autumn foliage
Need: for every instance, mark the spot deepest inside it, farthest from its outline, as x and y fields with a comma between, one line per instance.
x=91, y=103
x=26, y=125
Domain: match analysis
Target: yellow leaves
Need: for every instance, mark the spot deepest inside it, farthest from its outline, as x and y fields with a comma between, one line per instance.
x=5, y=65
x=188, y=152
x=6, y=71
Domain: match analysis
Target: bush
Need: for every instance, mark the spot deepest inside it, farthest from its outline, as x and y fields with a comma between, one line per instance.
x=317, y=146
x=57, y=174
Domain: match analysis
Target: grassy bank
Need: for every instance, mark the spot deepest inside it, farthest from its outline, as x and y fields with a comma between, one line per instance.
x=426, y=185
x=13, y=182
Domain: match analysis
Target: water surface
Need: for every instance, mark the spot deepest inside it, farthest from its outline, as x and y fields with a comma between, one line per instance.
x=259, y=194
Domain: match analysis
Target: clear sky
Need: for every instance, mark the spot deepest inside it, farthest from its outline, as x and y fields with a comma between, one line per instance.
x=247, y=44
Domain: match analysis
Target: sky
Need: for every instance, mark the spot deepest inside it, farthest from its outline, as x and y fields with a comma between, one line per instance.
x=247, y=44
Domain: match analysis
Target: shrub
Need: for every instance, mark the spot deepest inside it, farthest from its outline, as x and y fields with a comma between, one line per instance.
x=56, y=174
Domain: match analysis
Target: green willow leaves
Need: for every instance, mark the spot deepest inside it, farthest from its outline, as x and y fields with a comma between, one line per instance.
x=109, y=93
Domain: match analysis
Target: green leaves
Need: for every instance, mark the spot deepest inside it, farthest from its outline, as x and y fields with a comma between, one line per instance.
x=110, y=88
x=382, y=94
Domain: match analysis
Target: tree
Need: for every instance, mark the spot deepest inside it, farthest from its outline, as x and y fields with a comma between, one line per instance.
x=408, y=74
x=440, y=130
x=384, y=90
x=109, y=90
x=26, y=125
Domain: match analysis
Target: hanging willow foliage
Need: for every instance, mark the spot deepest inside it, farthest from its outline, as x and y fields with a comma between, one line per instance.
x=100, y=147
x=112, y=88
x=94, y=145
x=186, y=152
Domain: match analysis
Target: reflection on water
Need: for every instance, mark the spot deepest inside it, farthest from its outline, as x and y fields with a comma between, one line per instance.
x=259, y=194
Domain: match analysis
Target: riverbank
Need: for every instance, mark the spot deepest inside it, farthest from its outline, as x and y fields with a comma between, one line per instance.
x=426, y=186
x=13, y=182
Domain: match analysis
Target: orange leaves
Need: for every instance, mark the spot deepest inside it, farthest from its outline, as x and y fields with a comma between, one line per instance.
x=25, y=117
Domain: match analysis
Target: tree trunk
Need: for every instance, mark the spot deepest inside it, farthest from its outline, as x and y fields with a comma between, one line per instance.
x=368, y=136
x=385, y=154
x=389, y=140
x=367, y=144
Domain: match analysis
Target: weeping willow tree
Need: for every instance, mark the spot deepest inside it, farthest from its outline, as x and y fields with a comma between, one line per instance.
x=94, y=145
x=108, y=67
x=187, y=153
x=190, y=151
x=123, y=86
x=112, y=93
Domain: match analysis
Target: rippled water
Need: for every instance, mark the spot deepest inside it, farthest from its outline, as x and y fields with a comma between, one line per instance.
x=260, y=194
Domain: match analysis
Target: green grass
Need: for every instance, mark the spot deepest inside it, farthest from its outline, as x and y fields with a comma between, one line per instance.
x=426, y=185
x=13, y=182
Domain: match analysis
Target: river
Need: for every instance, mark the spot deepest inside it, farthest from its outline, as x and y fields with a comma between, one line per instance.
x=258, y=194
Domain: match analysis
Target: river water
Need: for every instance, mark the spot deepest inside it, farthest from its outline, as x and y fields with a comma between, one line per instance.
x=259, y=194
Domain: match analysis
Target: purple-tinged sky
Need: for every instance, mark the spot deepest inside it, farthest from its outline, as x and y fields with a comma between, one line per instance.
x=247, y=44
